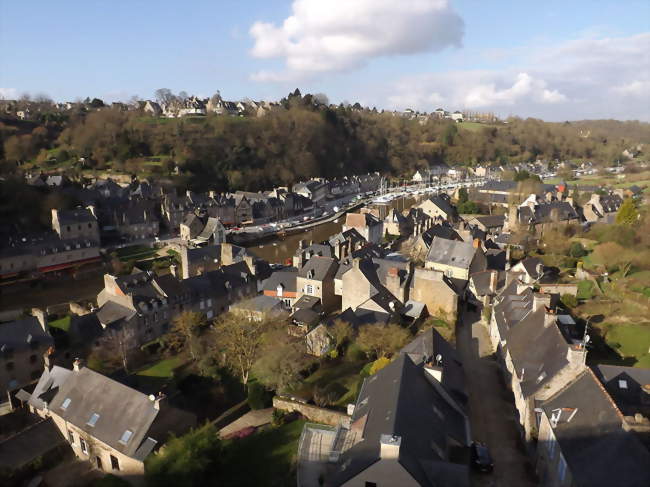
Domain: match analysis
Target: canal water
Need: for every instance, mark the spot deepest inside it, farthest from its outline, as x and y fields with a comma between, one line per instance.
x=281, y=249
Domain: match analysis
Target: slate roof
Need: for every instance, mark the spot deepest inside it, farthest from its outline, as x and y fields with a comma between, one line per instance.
x=498, y=186
x=544, y=212
x=441, y=231
x=531, y=264
x=112, y=312
x=481, y=282
x=496, y=259
x=630, y=395
x=443, y=204
x=451, y=253
x=260, y=303
x=18, y=334
x=70, y=217
x=426, y=347
x=598, y=452
x=285, y=277
x=491, y=221
x=399, y=401
x=322, y=267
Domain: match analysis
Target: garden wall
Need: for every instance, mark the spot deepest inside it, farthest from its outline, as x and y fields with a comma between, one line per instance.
x=560, y=289
x=309, y=411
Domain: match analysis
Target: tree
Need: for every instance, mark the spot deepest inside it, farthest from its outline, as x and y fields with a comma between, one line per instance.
x=163, y=96
x=381, y=340
x=468, y=207
x=627, y=213
x=189, y=325
x=281, y=361
x=191, y=459
x=341, y=331
x=577, y=250
x=462, y=196
x=239, y=342
x=96, y=103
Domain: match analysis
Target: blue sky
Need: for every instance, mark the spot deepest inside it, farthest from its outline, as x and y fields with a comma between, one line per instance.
x=554, y=60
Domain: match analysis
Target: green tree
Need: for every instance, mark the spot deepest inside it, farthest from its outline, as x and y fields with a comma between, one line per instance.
x=627, y=213
x=577, y=250
x=191, y=459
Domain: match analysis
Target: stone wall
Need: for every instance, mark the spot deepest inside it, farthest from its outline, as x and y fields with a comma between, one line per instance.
x=560, y=289
x=311, y=412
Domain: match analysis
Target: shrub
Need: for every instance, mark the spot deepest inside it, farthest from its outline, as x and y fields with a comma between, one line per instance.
x=278, y=417
x=569, y=300
x=577, y=250
x=257, y=397
x=379, y=364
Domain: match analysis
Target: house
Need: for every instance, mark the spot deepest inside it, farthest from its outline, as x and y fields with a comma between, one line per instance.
x=439, y=208
x=75, y=224
x=108, y=424
x=369, y=226
x=583, y=440
x=152, y=108
x=435, y=291
x=305, y=252
x=202, y=229
x=282, y=285
x=482, y=287
x=405, y=430
x=455, y=259
x=397, y=224
x=423, y=241
x=490, y=224
x=22, y=344
x=531, y=269
x=314, y=189
x=417, y=177
x=172, y=209
x=259, y=308
x=538, y=214
x=602, y=208
x=629, y=388
x=346, y=243
x=196, y=261
x=316, y=278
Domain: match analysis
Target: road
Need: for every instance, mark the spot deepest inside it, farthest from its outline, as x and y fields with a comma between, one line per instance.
x=491, y=408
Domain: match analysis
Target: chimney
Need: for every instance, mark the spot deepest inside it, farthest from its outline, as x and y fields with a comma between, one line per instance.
x=226, y=253
x=493, y=281
x=48, y=358
x=77, y=365
x=92, y=209
x=549, y=318
x=250, y=262
x=389, y=447
x=541, y=300
x=173, y=269
x=157, y=400
x=40, y=315
x=212, y=193
x=476, y=243
x=507, y=257
x=355, y=263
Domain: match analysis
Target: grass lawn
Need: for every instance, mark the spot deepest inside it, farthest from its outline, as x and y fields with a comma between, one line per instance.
x=344, y=373
x=630, y=341
x=585, y=289
x=475, y=126
x=163, y=369
x=62, y=324
x=135, y=252
x=267, y=457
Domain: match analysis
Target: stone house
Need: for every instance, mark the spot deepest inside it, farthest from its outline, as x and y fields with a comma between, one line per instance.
x=199, y=260
x=439, y=208
x=282, y=285
x=106, y=423
x=602, y=208
x=397, y=224
x=259, y=308
x=172, y=209
x=369, y=226
x=314, y=189
x=316, y=278
x=201, y=229
x=75, y=224
x=436, y=291
x=583, y=440
x=455, y=259
x=344, y=244
x=22, y=344
x=530, y=270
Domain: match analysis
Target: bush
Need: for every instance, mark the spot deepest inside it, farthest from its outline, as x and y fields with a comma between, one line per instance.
x=379, y=364
x=569, y=301
x=278, y=417
x=577, y=250
x=257, y=397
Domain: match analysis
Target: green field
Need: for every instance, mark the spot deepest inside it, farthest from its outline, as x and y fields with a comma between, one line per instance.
x=135, y=252
x=630, y=341
x=343, y=373
x=476, y=126
x=163, y=369
x=267, y=457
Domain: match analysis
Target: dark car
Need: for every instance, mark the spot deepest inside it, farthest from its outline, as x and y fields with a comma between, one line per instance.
x=481, y=459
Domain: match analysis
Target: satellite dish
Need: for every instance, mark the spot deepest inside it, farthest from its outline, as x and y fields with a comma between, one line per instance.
x=152, y=397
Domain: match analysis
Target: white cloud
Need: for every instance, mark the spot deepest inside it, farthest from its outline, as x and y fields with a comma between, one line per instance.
x=341, y=35
x=8, y=93
x=584, y=78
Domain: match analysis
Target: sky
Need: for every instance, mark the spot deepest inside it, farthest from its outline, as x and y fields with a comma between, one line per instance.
x=555, y=60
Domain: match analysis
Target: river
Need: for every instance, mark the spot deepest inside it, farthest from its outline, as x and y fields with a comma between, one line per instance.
x=281, y=249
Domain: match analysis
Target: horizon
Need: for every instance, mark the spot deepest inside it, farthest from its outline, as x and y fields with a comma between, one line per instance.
x=556, y=62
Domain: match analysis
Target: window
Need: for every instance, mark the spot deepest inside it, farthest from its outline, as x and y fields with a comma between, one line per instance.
x=93, y=419
x=115, y=464
x=371, y=484
x=209, y=303
x=126, y=436
x=71, y=437
x=66, y=403
x=84, y=447
x=622, y=384
x=99, y=463
x=309, y=289
x=210, y=314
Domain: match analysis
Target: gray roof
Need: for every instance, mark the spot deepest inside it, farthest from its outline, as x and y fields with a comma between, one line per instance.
x=451, y=253
x=441, y=230
x=598, y=452
x=260, y=303
x=70, y=217
x=546, y=211
x=399, y=401
x=285, y=277
x=319, y=268
x=490, y=221
x=21, y=333
x=48, y=384
x=630, y=399
x=119, y=407
x=426, y=347
x=111, y=312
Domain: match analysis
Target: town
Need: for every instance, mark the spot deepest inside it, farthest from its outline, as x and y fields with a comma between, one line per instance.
x=325, y=244
x=442, y=306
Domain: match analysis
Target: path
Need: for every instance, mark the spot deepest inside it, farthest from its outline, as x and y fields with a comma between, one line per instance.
x=254, y=418
x=491, y=408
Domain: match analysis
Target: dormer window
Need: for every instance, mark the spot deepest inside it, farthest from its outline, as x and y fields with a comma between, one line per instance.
x=126, y=436
x=93, y=420
x=310, y=274
x=622, y=384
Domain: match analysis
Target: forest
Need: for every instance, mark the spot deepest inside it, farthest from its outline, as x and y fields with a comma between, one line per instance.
x=300, y=139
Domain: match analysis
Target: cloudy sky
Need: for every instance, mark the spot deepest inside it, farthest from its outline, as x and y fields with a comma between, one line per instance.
x=557, y=60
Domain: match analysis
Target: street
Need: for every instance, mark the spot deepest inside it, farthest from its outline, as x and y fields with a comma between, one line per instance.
x=492, y=412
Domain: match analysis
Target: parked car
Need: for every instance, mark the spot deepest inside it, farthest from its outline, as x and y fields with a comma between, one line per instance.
x=481, y=459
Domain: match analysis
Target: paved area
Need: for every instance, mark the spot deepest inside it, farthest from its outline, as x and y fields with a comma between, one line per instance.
x=29, y=444
x=491, y=409
x=255, y=418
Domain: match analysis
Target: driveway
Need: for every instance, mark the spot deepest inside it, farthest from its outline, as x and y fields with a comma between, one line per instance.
x=492, y=411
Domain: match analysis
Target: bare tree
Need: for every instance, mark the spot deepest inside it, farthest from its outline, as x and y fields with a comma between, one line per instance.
x=164, y=96
x=189, y=326
x=381, y=340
